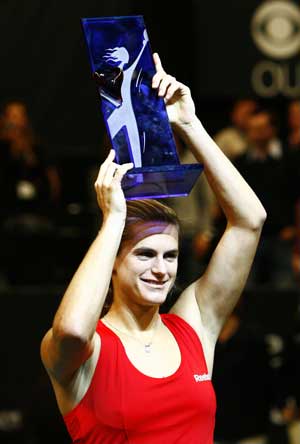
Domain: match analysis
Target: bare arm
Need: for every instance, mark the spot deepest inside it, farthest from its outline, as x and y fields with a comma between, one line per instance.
x=70, y=341
x=207, y=302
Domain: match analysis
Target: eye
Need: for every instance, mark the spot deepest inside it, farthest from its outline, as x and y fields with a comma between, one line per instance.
x=171, y=256
x=144, y=254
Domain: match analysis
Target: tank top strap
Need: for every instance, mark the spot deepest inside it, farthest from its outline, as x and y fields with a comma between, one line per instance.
x=187, y=339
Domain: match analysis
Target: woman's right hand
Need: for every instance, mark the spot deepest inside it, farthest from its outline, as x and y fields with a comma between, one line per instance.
x=110, y=196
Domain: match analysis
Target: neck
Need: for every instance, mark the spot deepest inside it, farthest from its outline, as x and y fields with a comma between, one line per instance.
x=133, y=317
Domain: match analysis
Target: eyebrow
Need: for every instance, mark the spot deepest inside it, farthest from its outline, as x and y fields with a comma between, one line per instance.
x=151, y=250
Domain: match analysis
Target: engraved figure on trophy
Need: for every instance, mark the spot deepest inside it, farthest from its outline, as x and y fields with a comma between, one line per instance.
x=135, y=116
x=123, y=115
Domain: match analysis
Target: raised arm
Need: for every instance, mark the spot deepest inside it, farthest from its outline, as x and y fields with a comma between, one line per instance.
x=71, y=340
x=218, y=290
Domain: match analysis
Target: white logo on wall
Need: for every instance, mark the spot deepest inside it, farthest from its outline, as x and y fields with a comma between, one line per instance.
x=275, y=29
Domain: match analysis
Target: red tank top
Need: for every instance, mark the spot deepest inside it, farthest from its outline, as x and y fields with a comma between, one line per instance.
x=122, y=405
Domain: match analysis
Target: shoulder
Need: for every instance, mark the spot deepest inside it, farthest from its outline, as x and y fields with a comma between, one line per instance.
x=194, y=345
x=180, y=327
x=174, y=319
x=109, y=342
x=105, y=334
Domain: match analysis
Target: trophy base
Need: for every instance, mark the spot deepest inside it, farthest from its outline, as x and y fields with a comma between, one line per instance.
x=160, y=181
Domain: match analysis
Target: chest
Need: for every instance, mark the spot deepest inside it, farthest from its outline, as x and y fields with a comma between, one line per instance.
x=158, y=358
x=162, y=389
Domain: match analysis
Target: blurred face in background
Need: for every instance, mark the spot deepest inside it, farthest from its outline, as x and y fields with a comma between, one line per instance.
x=15, y=115
x=15, y=126
x=243, y=109
x=260, y=130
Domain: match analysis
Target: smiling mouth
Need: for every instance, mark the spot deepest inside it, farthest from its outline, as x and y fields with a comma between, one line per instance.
x=154, y=283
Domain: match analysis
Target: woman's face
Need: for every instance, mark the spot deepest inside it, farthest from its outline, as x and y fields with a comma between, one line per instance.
x=145, y=270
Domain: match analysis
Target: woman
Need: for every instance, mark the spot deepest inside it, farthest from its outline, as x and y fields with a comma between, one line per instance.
x=136, y=376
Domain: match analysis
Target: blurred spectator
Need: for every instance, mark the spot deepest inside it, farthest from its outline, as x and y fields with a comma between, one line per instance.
x=246, y=387
x=29, y=192
x=233, y=139
x=28, y=183
x=294, y=124
x=270, y=172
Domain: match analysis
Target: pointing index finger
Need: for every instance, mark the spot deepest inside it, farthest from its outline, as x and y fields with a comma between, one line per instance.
x=157, y=62
x=159, y=71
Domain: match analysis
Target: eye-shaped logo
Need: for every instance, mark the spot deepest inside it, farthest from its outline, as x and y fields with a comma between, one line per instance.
x=275, y=28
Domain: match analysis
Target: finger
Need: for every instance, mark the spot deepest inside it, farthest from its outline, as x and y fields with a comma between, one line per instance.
x=172, y=88
x=157, y=62
x=109, y=174
x=104, y=166
x=110, y=157
x=114, y=171
x=159, y=71
x=165, y=83
x=128, y=166
x=156, y=79
x=108, y=160
x=122, y=170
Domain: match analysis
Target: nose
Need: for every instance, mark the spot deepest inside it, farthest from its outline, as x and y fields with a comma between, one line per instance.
x=159, y=266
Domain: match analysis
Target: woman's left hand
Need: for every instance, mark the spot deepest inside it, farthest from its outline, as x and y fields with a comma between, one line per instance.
x=179, y=103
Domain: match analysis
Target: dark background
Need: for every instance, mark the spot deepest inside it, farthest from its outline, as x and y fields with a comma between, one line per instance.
x=44, y=60
x=206, y=45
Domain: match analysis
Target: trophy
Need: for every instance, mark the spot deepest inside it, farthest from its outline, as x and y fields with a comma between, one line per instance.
x=135, y=117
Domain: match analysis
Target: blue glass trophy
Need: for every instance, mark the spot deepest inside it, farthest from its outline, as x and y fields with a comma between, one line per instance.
x=135, y=117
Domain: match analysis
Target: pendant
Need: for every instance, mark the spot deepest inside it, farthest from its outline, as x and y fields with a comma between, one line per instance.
x=148, y=347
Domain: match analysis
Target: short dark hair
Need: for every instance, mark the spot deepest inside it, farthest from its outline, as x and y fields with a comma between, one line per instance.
x=147, y=210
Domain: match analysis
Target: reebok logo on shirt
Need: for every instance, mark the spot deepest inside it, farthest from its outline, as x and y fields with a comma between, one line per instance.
x=200, y=378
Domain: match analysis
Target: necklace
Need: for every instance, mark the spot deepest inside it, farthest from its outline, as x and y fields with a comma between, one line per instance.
x=147, y=346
